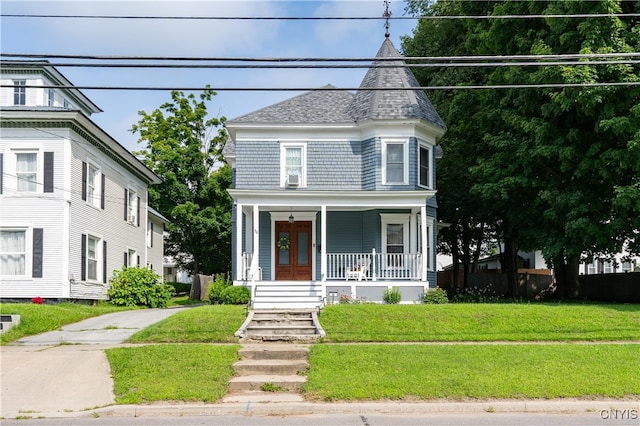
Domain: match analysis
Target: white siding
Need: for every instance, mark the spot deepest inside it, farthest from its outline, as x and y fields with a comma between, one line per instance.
x=155, y=253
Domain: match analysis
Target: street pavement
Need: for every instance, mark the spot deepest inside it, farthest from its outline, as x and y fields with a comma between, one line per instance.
x=65, y=374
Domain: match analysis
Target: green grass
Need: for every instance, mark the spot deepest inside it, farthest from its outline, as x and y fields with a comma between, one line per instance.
x=458, y=372
x=36, y=319
x=480, y=322
x=196, y=372
x=204, y=324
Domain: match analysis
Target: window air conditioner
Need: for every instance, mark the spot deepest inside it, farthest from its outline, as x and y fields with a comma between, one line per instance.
x=294, y=180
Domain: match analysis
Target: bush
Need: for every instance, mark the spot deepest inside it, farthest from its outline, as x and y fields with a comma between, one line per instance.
x=392, y=296
x=236, y=295
x=180, y=287
x=138, y=286
x=217, y=287
x=435, y=297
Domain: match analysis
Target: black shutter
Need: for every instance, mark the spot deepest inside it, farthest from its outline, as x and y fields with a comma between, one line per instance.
x=84, y=181
x=126, y=259
x=48, y=172
x=83, y=258
x=102, y=191
x=1, y=171
x=37, y=253
x=151, y=237
x=126, y=204
x=138, y=212
x=138, y=264
x=104, y=261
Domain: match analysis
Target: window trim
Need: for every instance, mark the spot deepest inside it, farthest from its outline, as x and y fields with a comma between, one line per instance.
x=283, y=158
x=39, y=166
x=429, y=148
x=395, y=219
x=405, y=160
x=97, y=259
x=132, y=211
x=94, y=200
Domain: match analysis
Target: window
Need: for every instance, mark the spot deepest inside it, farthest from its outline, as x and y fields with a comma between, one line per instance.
x=395, y=233
x=293, y=163
x=608, y=268
x=428, y=251
x=92, y=257
x=51, y=97
x=149, y=234
x=27, y=171
x=592, y=268
x=93, y=185
x=424, y=166
x=394, y=163
x=19, y=92
x=131, y=207
x=13, y=252
x=131, y=258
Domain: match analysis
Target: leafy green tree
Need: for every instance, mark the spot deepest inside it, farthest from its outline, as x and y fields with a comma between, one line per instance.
x=556, y=168
x=184, y=147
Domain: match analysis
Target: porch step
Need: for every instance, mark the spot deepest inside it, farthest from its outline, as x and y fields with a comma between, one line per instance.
x=276, y=382
x=288, y=294
x=281, y=367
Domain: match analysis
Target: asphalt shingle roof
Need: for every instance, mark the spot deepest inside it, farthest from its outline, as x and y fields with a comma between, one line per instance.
x=342, y=106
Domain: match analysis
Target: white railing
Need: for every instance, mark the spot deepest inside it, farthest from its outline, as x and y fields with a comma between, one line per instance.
x=374, y=266
x=249, y=271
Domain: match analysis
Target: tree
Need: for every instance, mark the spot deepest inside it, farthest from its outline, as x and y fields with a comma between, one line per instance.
x=184, y=148
x=557, y=168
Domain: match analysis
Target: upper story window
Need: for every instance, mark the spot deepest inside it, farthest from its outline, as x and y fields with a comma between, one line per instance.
x=19, y=92
x=13, y=252
x=131, y=207
x=293, y=164
x=51, y=97
x=395, y=162
x=424, y=165
x=27, y=171
x=149, y=234
x=93, y=185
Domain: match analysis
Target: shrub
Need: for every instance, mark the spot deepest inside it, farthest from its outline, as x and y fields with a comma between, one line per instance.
x=219, y=284
x=236, y=295
x=435, y=297
x=180, y=287
x=392, y=296
x=136, y=286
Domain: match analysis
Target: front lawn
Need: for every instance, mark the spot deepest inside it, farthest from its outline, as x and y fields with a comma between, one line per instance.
x=203, y=324
x=455, y=371
x=480, y=322
x=196, y=372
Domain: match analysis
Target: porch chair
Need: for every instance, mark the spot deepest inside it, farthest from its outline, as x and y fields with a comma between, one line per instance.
x=359, y=271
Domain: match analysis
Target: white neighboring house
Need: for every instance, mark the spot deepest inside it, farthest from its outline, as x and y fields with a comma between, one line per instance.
x=73, y=201
x=173, y=273
x=620, y=263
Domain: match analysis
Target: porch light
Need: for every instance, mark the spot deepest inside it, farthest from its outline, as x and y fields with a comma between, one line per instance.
x=291, y=218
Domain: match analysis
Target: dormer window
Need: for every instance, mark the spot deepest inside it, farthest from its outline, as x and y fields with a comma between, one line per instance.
x=19, y=92
x=395, y=162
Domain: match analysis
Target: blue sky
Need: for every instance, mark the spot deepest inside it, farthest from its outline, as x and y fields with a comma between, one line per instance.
x=203, y=38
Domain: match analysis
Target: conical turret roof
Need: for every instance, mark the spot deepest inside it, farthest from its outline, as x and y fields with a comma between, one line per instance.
x=392, y=104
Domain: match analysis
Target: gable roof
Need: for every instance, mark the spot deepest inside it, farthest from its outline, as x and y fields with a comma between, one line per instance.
x=341, y=106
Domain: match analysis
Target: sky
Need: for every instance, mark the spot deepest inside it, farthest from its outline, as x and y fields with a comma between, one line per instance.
x=198, y=38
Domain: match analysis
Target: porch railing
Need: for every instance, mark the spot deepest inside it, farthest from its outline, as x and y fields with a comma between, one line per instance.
x=374, y=266
x=246, y=271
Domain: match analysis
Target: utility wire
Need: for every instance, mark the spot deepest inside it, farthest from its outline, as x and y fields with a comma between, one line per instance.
x=324, y=18
x=325, y=88
x=330, y=59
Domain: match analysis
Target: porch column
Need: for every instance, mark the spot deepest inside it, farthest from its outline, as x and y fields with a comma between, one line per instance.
x=323, y=242
x=413, y=235
x=239, y=271
x=425, y=242
x=256, y=242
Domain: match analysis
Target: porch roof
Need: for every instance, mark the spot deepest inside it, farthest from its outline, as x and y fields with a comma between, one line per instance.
x=339, y=200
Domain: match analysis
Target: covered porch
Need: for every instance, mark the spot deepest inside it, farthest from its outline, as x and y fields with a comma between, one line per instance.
x=349, y=244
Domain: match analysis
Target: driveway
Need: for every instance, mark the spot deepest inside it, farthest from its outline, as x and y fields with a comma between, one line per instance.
x=63, y=371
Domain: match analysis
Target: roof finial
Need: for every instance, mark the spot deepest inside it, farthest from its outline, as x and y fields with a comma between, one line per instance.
x=387, y=15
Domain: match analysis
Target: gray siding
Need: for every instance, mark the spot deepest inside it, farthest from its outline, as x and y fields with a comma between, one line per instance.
x=371, y=163
x=334, y=164
x=257, y=165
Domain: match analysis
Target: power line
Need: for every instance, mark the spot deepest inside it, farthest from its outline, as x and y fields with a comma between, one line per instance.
x=320, y=59
x=325, y=88
x=322, y=18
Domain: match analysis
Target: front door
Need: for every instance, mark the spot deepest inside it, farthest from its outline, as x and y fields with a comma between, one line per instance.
x=293, y=251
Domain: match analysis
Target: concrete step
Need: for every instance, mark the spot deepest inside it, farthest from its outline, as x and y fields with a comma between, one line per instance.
x=255, y=382
x=282, y=322
x=281, y=303
x=281, y=367
x=280, y=329
x=282, y=352
x=282, y=338
x=8, y=321
x=262, y=396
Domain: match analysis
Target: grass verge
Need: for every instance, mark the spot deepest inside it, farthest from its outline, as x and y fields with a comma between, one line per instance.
x=197, y=372
x=203, y=324
x=480, y=322
x=36, y=319
x=457, y=372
